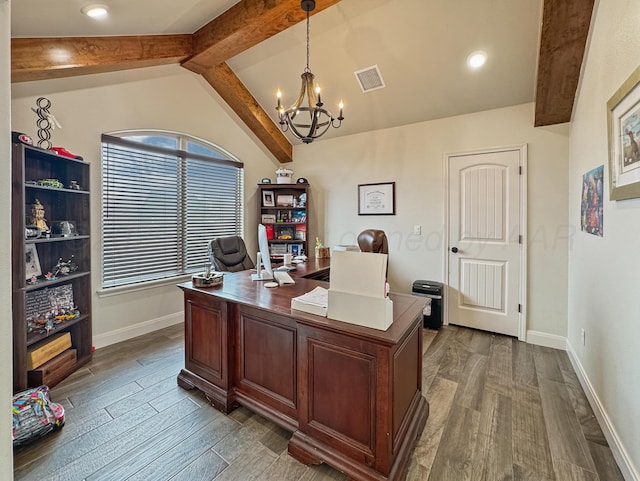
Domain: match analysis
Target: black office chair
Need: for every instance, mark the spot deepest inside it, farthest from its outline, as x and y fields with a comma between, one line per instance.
x=229, y=254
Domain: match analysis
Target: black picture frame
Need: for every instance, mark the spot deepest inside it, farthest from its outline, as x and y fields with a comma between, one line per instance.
x=377, y=199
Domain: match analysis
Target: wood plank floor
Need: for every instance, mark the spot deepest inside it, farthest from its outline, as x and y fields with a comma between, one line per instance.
x=499, y=410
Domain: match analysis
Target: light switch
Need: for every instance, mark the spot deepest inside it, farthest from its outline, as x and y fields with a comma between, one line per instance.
x=417, y=229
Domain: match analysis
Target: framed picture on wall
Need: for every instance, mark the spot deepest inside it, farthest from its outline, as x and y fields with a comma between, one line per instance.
x=377, y=199
x=623, y=112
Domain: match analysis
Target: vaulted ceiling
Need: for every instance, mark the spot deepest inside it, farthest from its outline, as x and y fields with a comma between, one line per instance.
x=247, y=49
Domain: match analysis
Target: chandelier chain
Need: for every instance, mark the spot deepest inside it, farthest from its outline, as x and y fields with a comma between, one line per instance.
x=308, y=69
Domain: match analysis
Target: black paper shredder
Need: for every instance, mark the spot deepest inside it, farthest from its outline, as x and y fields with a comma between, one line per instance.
x=432, y=315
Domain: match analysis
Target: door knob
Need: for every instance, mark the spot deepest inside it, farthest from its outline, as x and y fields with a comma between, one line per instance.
x=454, y=250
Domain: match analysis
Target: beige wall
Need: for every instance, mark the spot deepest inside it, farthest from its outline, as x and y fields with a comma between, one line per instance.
x=604, y=271
x=169, y=98
x=6, y=359
x=412, y=157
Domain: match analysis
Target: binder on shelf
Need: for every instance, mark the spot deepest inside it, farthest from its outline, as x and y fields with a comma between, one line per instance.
x=357, y=292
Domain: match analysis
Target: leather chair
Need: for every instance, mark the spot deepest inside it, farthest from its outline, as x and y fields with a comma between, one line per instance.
x=229, y=254
x=372, y=240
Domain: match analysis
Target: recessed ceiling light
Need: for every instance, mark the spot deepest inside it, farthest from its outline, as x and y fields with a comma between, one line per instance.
x=477, y=59
x=95, y=11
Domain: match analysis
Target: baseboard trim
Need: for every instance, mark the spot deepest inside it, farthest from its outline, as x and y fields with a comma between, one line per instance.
x=118, y=335
x=547, y=340
x=617, y=448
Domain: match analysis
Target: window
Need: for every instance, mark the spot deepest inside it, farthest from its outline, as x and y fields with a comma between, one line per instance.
x=164, y=197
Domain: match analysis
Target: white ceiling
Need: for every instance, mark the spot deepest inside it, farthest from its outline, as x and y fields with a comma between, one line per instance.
x=420, y=46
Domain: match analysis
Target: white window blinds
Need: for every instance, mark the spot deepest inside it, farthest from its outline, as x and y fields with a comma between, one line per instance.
x=161, y=207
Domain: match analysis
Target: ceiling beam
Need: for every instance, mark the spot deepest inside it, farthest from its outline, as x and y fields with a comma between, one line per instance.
x=563, y=39
x=244, y=25
x=49, y=58
x=236, y=95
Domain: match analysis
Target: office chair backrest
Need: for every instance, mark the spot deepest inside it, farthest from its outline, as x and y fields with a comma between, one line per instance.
x=229, y=254
x=373, y=240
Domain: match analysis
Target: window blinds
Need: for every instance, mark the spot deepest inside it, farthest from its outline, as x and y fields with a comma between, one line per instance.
x=161, y=207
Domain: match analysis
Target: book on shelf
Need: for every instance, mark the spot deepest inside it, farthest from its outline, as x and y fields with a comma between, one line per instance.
x=301, y=232
x=269, y=229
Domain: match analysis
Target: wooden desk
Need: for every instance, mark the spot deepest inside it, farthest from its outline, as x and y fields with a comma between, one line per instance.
x=351, y=395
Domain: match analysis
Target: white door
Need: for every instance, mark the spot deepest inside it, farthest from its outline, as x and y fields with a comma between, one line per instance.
x=486, y=228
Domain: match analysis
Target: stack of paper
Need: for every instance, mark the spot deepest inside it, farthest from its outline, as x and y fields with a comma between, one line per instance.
x=314, y=302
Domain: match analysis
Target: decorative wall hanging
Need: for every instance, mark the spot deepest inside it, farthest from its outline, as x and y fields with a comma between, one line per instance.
x=591, y=208
x=46, y=121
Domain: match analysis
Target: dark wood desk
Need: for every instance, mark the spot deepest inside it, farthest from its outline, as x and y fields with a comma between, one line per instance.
x=351, y=395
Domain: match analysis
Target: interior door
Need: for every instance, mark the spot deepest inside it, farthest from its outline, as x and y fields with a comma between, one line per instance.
x=485, y=231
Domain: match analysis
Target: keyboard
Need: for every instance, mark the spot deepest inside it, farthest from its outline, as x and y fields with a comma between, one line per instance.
x=283, y=277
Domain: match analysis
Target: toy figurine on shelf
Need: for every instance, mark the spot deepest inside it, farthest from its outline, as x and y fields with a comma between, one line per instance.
x=64, y=268
x=37, y=217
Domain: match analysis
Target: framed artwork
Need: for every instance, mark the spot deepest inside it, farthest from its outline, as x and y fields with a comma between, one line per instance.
x=284, y=201
x=623, y=112
x=268, y=199
x=32, y=263
x=377, y=199
x=591, y=198
x=294, y=249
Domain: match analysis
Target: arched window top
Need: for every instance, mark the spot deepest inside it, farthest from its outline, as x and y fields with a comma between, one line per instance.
x=176, y=141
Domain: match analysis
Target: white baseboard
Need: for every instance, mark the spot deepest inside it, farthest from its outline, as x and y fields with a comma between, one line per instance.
x=617, y=448
x=118, y=335
x=547, y=340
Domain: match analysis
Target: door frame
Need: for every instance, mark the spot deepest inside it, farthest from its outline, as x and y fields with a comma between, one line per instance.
x=522, y=294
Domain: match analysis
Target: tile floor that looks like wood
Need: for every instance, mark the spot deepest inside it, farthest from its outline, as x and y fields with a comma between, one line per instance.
x=499, y=410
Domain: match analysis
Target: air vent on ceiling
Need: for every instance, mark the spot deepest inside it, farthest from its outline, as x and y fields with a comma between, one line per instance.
x=370, y=79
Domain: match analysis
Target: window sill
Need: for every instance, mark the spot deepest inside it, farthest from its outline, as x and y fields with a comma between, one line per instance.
x=143, y=286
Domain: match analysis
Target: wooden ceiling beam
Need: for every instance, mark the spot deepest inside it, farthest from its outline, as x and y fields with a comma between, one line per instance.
x=244, y=25
x=49, y=58
x=240, y=100
x=563, y=39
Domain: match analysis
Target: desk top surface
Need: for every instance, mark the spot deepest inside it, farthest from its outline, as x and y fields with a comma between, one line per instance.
x=239, y=288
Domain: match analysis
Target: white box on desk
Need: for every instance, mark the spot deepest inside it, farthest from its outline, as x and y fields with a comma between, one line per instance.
x=362, y=310
x=357, y=293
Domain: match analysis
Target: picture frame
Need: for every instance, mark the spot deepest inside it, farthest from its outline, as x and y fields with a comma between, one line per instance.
x=623, y=121
x=284, y=201
x=268, y=198
x=294, y=249
x=32, y=263
x=377, y=199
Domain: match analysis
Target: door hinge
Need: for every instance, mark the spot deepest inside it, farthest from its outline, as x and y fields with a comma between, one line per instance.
x=520, y=168
x=519, y=307
x=519, y=239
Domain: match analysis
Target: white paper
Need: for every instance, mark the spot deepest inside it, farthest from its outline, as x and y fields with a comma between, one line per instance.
x=317, y=297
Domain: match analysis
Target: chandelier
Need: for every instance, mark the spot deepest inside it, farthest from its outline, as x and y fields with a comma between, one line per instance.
x=307, y=122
